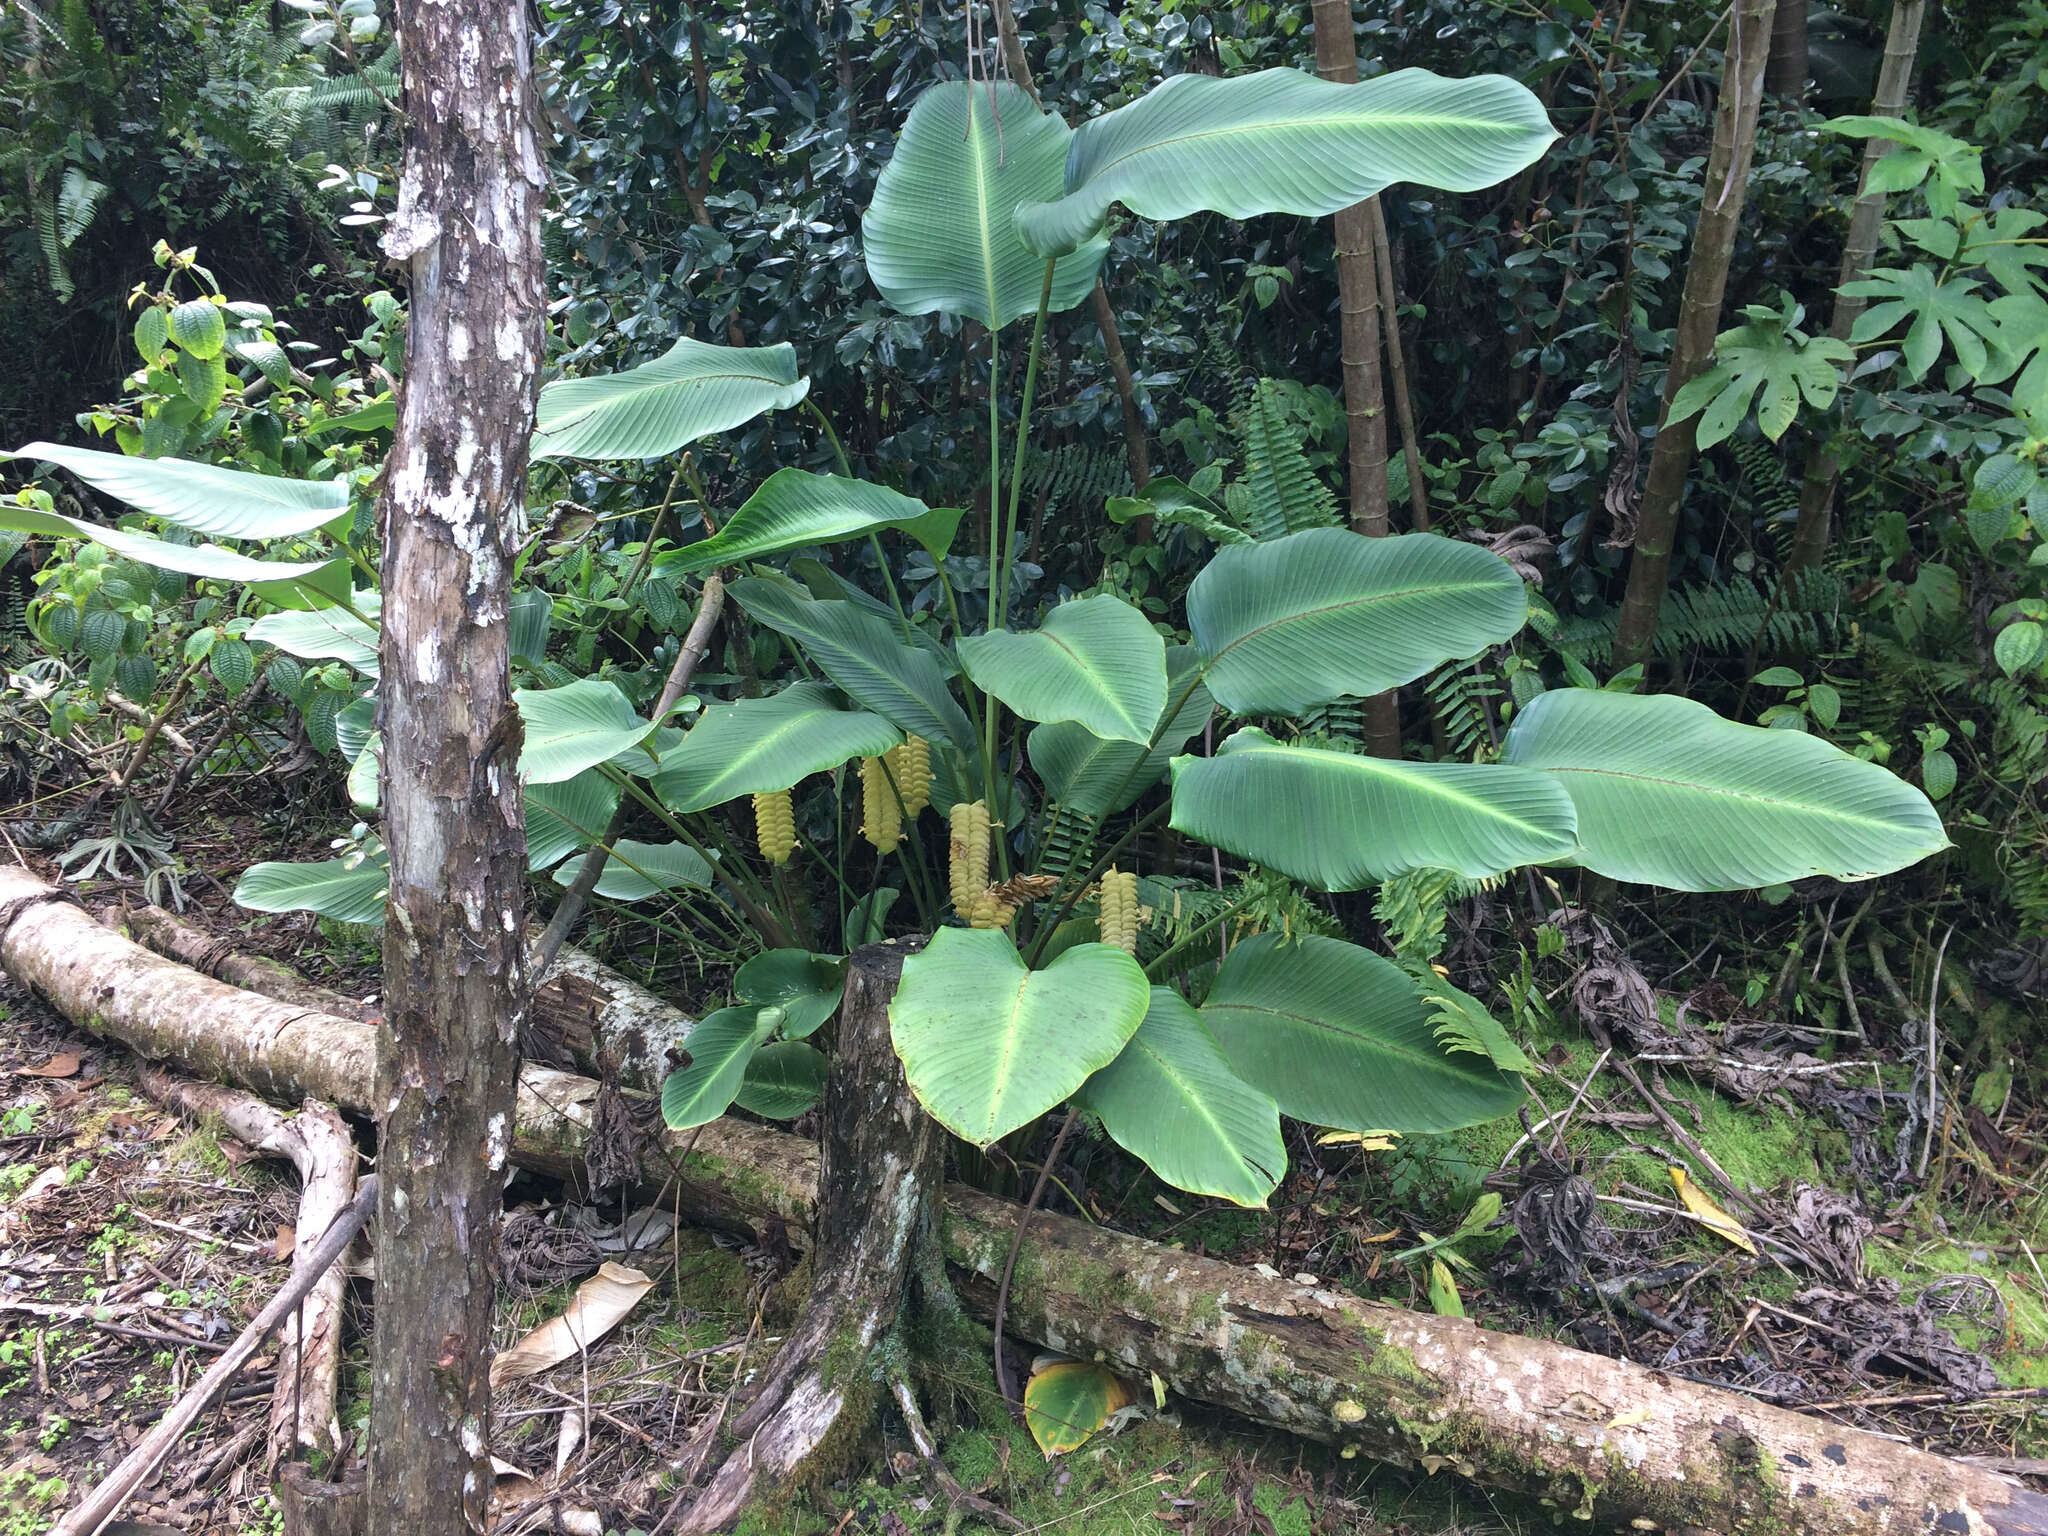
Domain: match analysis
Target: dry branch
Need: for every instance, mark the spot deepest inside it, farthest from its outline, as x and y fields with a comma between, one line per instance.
x=1604, y=1438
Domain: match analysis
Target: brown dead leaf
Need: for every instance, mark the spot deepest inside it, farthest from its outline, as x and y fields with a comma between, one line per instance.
x=63, y=1064
x=287, y=1242
x=598, y=1306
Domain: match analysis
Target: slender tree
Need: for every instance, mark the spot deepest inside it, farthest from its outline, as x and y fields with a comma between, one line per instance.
x=467, y=234
x=1699, y=320
x=1358, y=302
x=1786, y=74
x=1823, y=469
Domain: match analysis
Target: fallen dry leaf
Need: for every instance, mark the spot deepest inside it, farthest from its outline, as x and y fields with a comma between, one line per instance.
x=63, y=1064
x=287, y=1241
x=597, y=1307
x=1708, y=1214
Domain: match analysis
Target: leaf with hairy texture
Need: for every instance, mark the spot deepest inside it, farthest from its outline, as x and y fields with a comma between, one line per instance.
x=940, y=233
x=1668, y=793
x=692, y=390
x=863, y=653
x=989, y=1044
x=637, y=871
x=227, y=503
x=1084, y=772
x=575, y=727
x=795, y=509
x=332, y=888
x=1283, y=141
x=1340, y=1037
x=199, y=327
x=1171, y=1099
x=754, y=746
x=719, y=1048
x=1096, y=661
x=1340, y=820
x=1293, y=622
x=566, y=817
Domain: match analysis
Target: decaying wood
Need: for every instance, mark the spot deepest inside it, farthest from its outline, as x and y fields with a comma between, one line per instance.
x=1604, y=1438
x=313, y=1508
x=318, y=1144
x=140, y=1464
x=169, y=935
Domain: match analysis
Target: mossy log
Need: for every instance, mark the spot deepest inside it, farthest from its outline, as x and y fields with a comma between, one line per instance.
x=1599, y=1439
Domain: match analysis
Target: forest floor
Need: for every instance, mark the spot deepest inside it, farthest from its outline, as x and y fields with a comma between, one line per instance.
x=133, y=1245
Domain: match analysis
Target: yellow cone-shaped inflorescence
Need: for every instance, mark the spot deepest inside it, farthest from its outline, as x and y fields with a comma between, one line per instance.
x=1118, y=922
x=775, y=826
x=910, y=762
x=967, y=866
x=881, y=818
x=992, y=912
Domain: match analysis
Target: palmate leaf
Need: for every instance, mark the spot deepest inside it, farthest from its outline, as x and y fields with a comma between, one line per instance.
x=989, y=1044
x=1340, y=821
x=1668, y=793
x=1281, y=141
x=1171, y=1099
x=757, y=745
x=690, y=391
x=1293, y=622
x=1769, y=353
x=575, y=727
x=332, y=888
x=940, y=233
x=227, y=503
x=1097, y=777
x=1937, y=307
x=795, y=509
x=863, y=653
x=1339, y=1037
x=1096, y=661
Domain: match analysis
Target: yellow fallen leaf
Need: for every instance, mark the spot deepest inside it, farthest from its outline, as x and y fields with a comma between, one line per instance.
x=1708, y=1214
x=1066, y=1401
x=597, y=1307
x=1367, y=1141
x=1631, y=1419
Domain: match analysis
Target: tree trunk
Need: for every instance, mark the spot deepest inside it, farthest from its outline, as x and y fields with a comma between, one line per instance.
x=1397, y=372
x=1823, y=466
x=880, y=1171
x=1358, y=303
x=467, y=231
x=1786, y=73
x=1126, y=393
x=1699, y=319
x=1613, y=1441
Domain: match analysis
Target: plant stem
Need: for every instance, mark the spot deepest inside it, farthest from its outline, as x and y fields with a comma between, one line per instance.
x=1141, y=825
x=1023, y=431
x=1016, y=1244
x=668, y=499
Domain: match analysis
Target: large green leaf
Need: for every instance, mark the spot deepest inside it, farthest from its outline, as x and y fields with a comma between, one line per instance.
x=1172, y=1099
x=331, y=888
x=862, y=652
x=690, y=391
x=757, y=745
x=320, y=634
x=575, y=727
x=1293, y=622
x=1085, y=773
x=1281, y=141
x=227, y=503
x=795, y=509
x=208, y=560
x=1670, y=794
x=1096, y=661
x=940, y=234
x=1339, y=1037
x=1341, y=820
x=783, y=1080
x=806, y=987
x=562, y=818
x=719, y=1048
x=989, y=1044
x=635, y=871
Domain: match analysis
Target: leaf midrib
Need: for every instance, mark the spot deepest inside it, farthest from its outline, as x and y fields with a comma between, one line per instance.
x=1386, y=771
x=1435, y=589
x=1806, y=807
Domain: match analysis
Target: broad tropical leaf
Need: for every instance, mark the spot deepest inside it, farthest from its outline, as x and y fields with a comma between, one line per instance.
x=1281, y=141
x=1293, y=622
x=1085, y=773
x=1338, y=1036
x=756, y=745
x=635, y=871
x=783, y=1080
x=227, y=503
x=320, y=634
x=565, y=817
x=1066, y=1401
x=1341, y=820
x=331, y=888
x=690, y=391
x=1172, y=1099
x=1096, y=661
x=940, y=234
x=989, y=1044
x=208, y=560
x=806, y=987
x=575, y=727
x=795, y=509
x=719, y=1048
x=862, y=652
x=1669, y=793
x=1767, y=352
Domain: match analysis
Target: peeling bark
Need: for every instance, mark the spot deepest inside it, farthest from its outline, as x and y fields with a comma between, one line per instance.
x=1605, y=1439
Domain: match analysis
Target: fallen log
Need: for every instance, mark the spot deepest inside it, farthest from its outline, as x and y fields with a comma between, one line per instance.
x=1600, y=1439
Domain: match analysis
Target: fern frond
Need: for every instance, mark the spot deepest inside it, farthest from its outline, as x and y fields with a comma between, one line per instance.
x=1281, y=492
